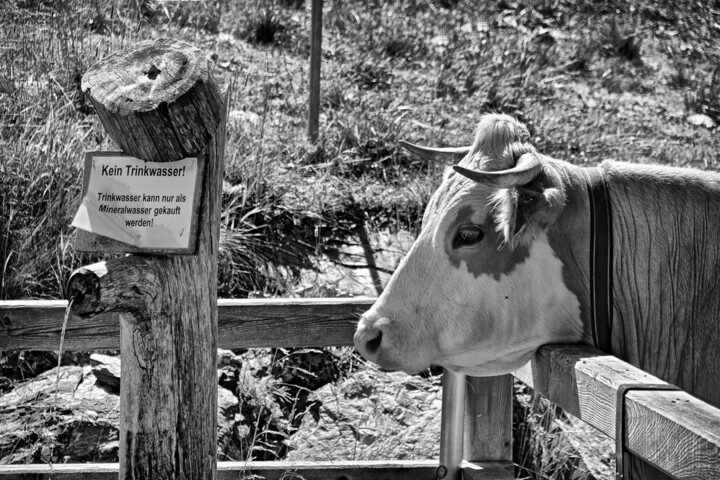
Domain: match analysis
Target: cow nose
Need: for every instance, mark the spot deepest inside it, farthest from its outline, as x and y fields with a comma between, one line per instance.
x=367, y=340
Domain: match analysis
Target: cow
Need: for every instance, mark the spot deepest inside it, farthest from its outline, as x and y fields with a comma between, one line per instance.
x=506, y=262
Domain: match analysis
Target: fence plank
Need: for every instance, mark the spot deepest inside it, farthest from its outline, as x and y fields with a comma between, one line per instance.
x=583, y=381
x=672, y=431
x=36, y=325
x=675, y=432
x=248, y=323
x=310, y=322
x=371, y=470
x=350, y=470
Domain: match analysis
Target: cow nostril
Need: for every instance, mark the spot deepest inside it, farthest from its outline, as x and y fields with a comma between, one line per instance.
x=373, y=345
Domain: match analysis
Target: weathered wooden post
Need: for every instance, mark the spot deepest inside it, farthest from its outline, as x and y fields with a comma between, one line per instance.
x=315, y=60
x=159, y=102
x=488, y=421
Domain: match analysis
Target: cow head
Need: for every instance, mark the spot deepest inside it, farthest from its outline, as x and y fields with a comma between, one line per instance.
x=481, y=288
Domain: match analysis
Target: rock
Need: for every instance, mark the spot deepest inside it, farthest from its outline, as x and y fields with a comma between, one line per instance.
x=228, y=407
x=107, y=371
x=372, y=415
x=79, y=424
x=701, y=120
x=266, y=409
x=229, y=378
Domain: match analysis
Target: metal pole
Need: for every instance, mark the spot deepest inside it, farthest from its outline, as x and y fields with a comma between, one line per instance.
x=315, y=55
x=451, y=426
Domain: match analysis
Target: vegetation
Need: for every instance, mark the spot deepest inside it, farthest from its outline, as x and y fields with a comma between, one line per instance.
x=593, y=80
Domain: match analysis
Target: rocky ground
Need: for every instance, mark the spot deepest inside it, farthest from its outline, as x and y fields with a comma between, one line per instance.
x=372, y=415
x=65, y=415
x=72, y=417
x=71, y=414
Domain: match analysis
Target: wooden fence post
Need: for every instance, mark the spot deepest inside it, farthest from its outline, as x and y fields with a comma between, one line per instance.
x=159, y=102
x=488, y=419
x=315, y=60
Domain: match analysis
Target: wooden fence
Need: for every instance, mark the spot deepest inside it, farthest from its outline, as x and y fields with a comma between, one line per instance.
x=672, y=431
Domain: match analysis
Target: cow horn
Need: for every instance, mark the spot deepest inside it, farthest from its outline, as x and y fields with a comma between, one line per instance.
x=430, y=153
x=527, y=169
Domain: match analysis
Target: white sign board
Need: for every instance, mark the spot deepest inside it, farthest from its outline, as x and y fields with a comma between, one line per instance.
x=147, y=205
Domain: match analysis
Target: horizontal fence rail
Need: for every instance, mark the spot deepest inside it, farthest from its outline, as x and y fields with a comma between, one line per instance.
x=672, y=431
x=400, y=470
x=271, y=470
x=247, y=323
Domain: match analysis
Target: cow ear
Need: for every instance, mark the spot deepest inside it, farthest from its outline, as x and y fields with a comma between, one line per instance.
x=523, y=211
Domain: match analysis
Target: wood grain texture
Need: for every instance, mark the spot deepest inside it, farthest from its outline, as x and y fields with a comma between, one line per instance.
x=148, y=74
x=291, y=322
x=488, y=419
x=247, y=323
x=638, y=469
x=673, y=431
x=159, y=102
x=676, y=432
x=583, y=381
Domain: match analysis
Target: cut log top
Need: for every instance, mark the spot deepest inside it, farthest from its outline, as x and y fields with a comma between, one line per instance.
x=157, y=100
x=139, y=79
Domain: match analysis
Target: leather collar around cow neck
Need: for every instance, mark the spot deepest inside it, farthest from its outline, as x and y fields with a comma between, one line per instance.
x=601, y=259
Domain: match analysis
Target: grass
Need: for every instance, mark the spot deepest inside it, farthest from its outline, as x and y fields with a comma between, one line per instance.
x=593, y=81
x=405, y=69
x=540, y=447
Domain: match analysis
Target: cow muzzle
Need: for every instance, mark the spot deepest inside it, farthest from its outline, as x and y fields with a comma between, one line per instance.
x=368, y=340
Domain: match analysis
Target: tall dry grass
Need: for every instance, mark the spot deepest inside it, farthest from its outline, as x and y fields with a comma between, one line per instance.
x=46, y=128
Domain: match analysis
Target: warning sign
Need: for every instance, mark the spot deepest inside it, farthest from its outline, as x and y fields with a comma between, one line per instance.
x=144, y=204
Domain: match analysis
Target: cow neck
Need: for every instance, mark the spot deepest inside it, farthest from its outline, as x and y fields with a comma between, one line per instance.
x=601, y=259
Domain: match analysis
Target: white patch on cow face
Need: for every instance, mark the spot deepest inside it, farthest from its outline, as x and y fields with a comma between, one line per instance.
x=444, y=307
x=497, y=324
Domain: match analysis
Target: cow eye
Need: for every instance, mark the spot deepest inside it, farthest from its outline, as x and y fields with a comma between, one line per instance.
x=467, y=236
